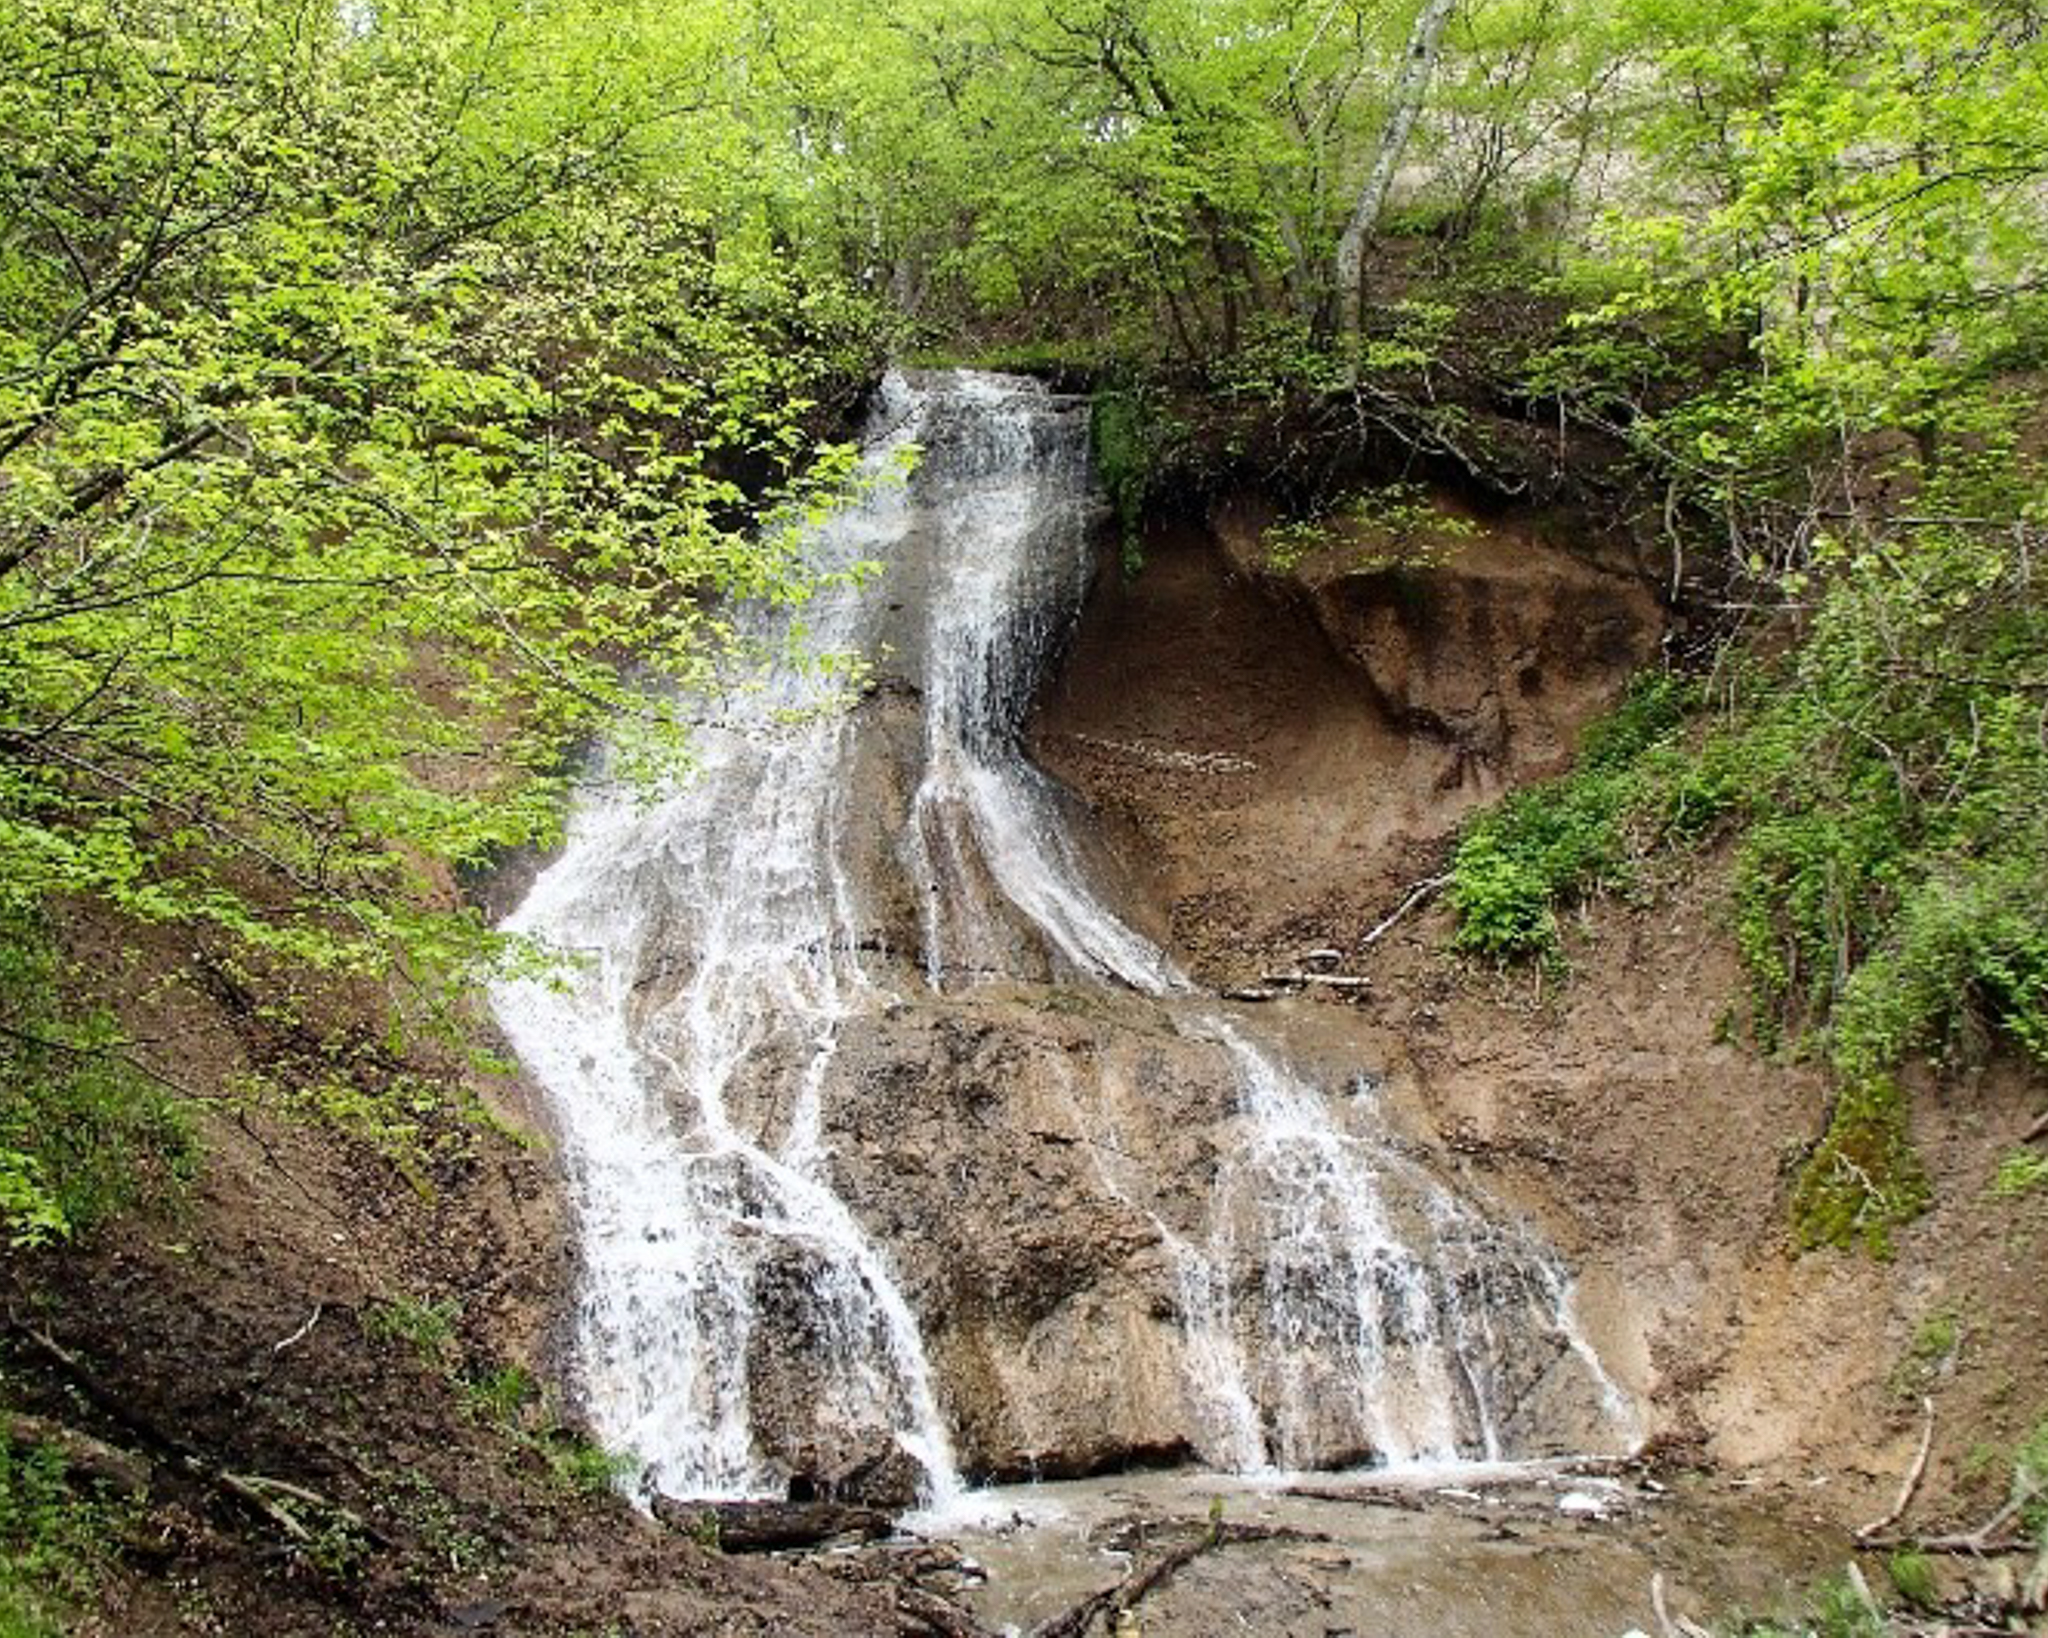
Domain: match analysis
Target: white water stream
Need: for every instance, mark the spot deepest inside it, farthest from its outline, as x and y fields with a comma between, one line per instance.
x=718, y=929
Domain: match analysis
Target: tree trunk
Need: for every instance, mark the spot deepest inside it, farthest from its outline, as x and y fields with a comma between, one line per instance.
x=1410, y=87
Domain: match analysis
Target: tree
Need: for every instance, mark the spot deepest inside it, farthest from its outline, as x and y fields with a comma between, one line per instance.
x=1405, y=104
x=370, y=385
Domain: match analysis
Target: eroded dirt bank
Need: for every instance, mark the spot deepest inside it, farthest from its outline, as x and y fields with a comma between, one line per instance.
x=1281, y=761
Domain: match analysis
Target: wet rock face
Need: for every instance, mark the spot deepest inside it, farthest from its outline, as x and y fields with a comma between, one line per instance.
x=1028, y=1157
x=963, y=1134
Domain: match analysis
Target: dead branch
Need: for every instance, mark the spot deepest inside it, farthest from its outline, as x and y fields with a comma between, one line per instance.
x=1143, y=1580
x=83, y=1455
x=1665, y=1626
x=1407, y=1501
x=253, y=1491
x=1985, y=1540
x=1420, y=893
x=2036, y=1132
x=1330, y=981
x=301, y=1333
x=1913, y=1474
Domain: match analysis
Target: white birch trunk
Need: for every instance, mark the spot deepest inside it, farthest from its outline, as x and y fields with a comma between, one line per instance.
x=1411, y=86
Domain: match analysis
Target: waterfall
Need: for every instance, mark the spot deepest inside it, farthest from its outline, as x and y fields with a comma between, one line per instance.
x=1338, y=1303
x=686, y=1217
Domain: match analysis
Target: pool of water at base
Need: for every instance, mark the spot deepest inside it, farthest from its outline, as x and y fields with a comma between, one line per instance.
x=1511, y=1551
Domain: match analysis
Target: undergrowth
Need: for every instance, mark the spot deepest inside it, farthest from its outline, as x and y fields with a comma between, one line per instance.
x=1135, y=441
x=1885, y=790
x=506, y=1397
x=55, y=1543
x=83, y=1134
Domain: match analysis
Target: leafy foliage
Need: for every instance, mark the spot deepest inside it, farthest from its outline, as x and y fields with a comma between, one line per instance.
x=54, y=1541
x=370, y=387
x=1558, y=842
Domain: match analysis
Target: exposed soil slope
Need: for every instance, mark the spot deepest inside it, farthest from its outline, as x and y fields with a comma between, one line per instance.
x=1283, y=759
x=281, y=1327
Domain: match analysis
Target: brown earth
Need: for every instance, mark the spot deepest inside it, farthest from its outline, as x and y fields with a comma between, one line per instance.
x=259, y=1328
x=1274, y=801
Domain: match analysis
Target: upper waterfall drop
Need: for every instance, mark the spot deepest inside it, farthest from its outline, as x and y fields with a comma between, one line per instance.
x=773, y=1278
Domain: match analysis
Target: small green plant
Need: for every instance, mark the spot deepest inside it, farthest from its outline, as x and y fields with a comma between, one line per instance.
x=2030, y=1482
x=2021, y=1172
x=1392, y=526
x=84, y=1134
x=1136, y=442
x=1561, y=841
x=1864, y=1179
x=55, y=1542
x=1841, y=1608
x=1913, y=1579
x=1936, y=1341
x=584, y=1467
x=501, y=1396
x=429, y=1326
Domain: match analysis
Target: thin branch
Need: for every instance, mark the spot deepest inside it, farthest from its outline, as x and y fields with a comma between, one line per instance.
x=1419, y=894
x=1913, y=1475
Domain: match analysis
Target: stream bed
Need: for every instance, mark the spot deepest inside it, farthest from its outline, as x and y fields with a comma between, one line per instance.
x=1468, y=1551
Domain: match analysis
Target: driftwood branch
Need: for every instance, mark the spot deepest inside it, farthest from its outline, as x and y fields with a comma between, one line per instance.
x=1329, y=981
x=1146, y=1579
x=1911, y=1482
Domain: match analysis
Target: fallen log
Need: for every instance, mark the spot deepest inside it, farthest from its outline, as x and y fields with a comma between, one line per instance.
x=771, y=1526
x=83, y=1455
x=1333, y=981
x=1148, y=1578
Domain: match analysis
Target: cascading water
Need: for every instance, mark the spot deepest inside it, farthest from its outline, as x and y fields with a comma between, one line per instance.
x=686, y=1217
x=1335, y=1303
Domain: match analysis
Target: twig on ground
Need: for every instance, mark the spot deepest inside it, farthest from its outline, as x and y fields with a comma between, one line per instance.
x=302, y=1332
x=1913, y=1475
x=1417, y=894
x=1134, y=1587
